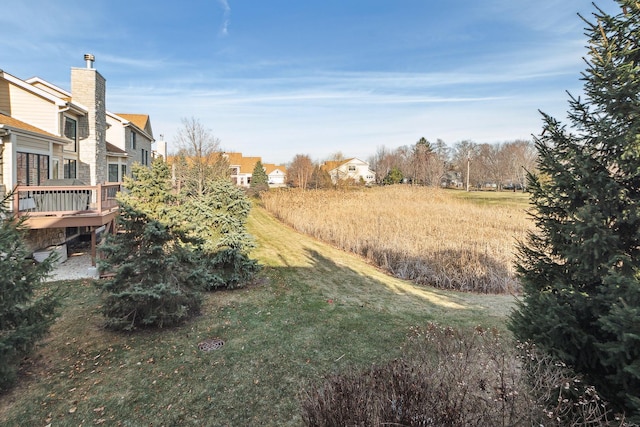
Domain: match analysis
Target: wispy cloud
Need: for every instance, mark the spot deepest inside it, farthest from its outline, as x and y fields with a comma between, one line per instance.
x=130, y=62
x=226, y=17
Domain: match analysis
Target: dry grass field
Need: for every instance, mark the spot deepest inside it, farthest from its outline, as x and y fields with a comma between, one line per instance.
x=448, y=239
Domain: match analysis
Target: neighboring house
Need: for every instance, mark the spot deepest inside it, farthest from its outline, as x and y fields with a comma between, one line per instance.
x=277, y=174
x=48, y=134
x=452, y=179
x=242, y=170
x=350, y=169
x=129, y=134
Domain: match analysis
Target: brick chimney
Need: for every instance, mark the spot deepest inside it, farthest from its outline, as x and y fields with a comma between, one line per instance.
x=88, y=88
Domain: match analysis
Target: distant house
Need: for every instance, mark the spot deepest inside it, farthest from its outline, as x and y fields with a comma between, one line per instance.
x=350, y=169
x=242, y=170
x=277, y=174
x=452, y=179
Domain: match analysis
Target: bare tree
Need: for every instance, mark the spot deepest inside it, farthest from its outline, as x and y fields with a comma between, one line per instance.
x=300, y=171
x=492, y=164
x=199, y=160
x=522, y=158
x=437, y=163
x=381, y=163
x=336, y=157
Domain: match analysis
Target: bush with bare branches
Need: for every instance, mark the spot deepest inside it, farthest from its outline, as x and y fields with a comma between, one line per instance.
x=452, y=378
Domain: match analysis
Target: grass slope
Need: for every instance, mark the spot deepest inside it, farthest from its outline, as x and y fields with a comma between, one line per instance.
x=314, y=311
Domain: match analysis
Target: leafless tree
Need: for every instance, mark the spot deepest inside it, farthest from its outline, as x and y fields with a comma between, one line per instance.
x=522, y=158
x=300, y=171
x=438, y=163
x=199, y=160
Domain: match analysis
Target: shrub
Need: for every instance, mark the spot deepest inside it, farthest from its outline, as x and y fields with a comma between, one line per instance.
x=456, y=379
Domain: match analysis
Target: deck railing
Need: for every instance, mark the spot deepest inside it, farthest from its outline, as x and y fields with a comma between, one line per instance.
x=65, y=200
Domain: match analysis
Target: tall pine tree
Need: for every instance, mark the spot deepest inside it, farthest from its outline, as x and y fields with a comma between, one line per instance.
x=25, y=312
x=259, y=178
x=581, y=269
x=150, y=257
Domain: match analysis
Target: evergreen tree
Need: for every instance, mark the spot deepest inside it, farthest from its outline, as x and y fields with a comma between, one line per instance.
x=580, y=270
x=216, y=226
x=150, y=257
x=259, y=178
x=25, y=312
x=320, y=178
x=393, y=177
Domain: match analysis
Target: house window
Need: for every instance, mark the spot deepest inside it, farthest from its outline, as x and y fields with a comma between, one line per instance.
x=33, y=169
x=352, y=168
x=123, y=170
x=133, y=140
x=71, y=132
x=70, y=168
x=113, y=172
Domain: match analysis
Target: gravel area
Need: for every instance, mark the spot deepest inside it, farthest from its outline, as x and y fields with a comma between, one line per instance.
x=77, y=266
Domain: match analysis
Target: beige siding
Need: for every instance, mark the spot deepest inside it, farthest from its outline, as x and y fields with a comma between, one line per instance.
x=32, y=145
x=33, y=109
x=49, y=89
x=115, y=133
x=5, y=105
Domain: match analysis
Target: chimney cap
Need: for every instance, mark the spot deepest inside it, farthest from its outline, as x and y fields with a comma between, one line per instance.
x=89, y=58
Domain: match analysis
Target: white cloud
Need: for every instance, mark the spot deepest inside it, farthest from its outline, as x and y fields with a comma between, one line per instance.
x=224, y=30
x=130, y=62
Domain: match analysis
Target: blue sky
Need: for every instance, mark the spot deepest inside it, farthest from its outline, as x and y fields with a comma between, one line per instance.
x=280, y=78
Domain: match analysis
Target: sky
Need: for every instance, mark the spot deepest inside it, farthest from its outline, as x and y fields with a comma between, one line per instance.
x=277, y=78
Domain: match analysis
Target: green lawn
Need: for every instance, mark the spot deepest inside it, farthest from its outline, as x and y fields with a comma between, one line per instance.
x=495, y=198
x=314, y=310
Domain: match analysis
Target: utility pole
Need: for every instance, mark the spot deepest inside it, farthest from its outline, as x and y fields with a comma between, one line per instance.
x=468, y=162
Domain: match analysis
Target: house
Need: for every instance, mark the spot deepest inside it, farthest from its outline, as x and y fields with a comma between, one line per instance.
x=350, y=169
x=277, y=174
x=242, y=170
x=60, y=149
x=129, y=140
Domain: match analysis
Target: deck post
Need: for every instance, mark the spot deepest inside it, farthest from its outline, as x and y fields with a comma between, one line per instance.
x=99, y=197
x=93, y=246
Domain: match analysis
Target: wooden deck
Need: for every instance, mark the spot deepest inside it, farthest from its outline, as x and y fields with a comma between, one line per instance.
x=66, y=206
x=91, y=206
